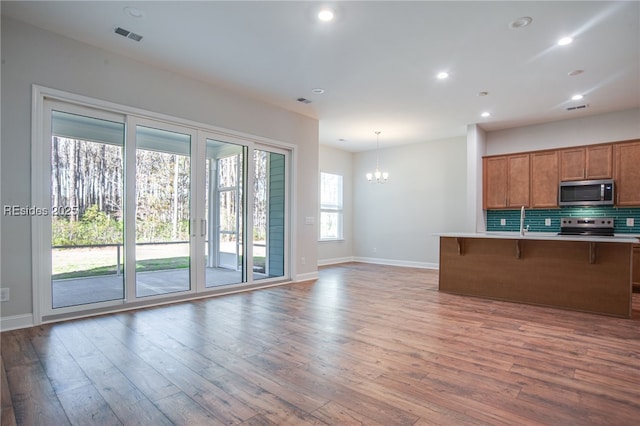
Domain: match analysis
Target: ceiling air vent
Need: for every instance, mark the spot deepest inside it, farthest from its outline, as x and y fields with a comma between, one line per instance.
x=578, y=107
x=304, y=100
x=128, y=34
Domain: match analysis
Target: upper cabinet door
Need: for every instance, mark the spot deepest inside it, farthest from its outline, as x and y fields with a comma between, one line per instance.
x=572, y=164
x=627, y=173
x=518, y=181
x=599, y=162
x=495, y=182
x=544, y=179
x=590, y=162
x=506, y=181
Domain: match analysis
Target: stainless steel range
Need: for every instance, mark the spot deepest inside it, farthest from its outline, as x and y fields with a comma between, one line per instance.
x=600, y=226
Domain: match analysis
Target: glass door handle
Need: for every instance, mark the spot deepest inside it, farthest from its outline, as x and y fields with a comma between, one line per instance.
x=203, y=227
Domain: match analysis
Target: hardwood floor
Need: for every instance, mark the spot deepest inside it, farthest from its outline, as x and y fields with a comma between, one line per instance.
x=365, y=344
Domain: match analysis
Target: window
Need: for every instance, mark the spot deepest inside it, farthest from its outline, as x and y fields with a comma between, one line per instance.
x=330, y=206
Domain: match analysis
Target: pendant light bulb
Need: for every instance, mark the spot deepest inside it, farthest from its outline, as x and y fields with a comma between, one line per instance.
x=377, y=176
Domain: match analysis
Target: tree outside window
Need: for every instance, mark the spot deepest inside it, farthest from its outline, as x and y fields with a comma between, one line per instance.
x=331, y=215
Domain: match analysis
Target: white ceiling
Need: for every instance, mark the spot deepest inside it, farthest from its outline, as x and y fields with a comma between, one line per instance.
x=377, y=60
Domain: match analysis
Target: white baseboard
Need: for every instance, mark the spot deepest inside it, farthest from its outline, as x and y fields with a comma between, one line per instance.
x=335, y=261
x=15, y=322
x=394, y=262
x=309, y=276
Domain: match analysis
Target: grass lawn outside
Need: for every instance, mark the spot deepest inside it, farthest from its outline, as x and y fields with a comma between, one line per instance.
x=95, y=261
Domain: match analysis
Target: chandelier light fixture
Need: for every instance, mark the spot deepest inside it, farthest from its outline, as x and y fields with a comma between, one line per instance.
x=377, y=176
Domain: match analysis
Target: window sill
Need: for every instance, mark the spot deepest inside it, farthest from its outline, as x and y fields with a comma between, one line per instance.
x=333, y=240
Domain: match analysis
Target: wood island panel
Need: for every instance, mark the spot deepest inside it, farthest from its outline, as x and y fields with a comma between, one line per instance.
x=576, y=275
x=636, y=268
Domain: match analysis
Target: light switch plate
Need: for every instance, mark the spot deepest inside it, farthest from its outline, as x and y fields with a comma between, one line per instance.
x=547, y=222
x=630, y=221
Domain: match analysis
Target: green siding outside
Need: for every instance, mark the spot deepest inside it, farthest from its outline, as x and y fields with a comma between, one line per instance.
x=276, y=214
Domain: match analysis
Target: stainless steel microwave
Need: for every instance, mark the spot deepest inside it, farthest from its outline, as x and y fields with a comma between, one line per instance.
x=586, y=193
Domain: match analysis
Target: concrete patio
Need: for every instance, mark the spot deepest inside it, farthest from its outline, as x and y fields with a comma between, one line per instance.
x=79, y=291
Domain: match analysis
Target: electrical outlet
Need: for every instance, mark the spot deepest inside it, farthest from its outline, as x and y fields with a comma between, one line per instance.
x=630, y=221
x=374, y=249
x=547, y=222
x=503, y=222
x=4, y=295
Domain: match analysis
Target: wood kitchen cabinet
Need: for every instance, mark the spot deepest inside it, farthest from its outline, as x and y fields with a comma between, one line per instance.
x=627, y=173
x=531, y=179
x=544, y=179
x=494, y=170
x=518, y=180
x=506, y=181
x=587, y=162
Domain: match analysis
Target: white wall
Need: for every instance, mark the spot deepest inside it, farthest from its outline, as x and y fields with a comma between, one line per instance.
x=340, y=162
x=426, y=194
x=476, y=147
x=611, y=127
x=34, y=56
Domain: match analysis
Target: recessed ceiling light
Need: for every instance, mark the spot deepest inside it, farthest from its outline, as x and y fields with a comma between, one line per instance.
x=486, y=114
x=134, y=12
x=326, y=15
x=520, y=22
x=317, y=91
x=564, y=41
x=442, y=75
x=577, y=97
x=575, y=72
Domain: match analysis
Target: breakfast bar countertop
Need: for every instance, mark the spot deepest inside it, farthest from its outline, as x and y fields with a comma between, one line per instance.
x=618, y=238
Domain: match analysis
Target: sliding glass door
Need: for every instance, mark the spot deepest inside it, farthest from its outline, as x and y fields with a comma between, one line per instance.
x=224, y=210
x=133, y=208
x=86, y=209
x=162, y=211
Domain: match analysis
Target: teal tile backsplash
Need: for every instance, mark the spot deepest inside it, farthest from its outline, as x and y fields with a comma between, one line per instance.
x=535, y=218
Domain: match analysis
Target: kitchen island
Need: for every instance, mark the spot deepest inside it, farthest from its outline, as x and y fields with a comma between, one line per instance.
x=591, y=274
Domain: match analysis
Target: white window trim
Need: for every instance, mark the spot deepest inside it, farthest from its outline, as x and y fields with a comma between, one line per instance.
x=339, y=210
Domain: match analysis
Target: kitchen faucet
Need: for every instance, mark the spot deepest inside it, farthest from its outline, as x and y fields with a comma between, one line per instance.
x=522, y=221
